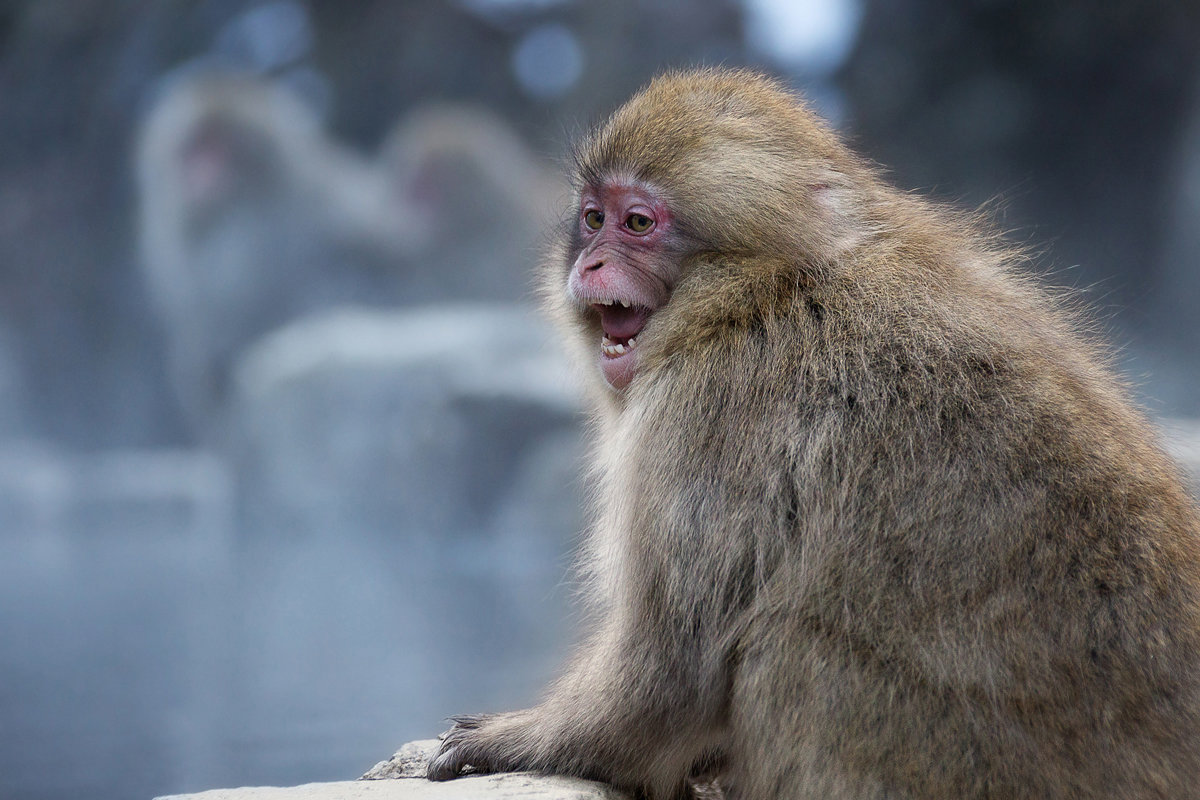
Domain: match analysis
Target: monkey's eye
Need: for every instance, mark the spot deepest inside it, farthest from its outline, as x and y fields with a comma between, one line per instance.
x=594, y=219
x=639, y=223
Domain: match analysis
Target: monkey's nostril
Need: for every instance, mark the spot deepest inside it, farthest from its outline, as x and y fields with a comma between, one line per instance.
x=593, y=267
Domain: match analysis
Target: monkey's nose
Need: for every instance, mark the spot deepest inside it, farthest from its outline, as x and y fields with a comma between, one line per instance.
x=595, y=265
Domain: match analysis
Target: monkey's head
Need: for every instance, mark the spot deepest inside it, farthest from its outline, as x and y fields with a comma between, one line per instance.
x=699, y=169
x=214, y=140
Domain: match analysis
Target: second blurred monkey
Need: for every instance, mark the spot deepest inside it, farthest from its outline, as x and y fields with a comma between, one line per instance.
x=252, y=215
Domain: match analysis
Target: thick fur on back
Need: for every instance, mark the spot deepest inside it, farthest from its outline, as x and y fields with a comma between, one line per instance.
x=876, y=487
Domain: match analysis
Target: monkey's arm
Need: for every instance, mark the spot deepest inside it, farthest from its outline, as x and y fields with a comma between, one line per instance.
x=676, y=555
x=620, y=714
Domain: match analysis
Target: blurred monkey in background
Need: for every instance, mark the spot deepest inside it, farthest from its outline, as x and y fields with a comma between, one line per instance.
x=252, y=216
x=486, y=200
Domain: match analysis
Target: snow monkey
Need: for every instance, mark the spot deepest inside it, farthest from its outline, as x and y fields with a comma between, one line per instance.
x=874, y=519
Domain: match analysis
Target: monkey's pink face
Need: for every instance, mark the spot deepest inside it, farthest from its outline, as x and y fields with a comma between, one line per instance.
x=626, y=268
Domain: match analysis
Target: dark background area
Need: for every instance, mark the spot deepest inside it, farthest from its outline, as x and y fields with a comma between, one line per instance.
x=272, y=500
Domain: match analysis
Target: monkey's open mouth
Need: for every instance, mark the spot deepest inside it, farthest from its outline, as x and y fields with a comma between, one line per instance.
x=621, y=324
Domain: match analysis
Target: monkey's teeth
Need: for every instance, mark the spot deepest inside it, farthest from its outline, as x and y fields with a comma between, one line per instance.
x=612, y=349
x=624, y=304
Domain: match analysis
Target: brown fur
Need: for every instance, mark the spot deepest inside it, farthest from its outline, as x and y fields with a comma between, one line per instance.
x=874, y=520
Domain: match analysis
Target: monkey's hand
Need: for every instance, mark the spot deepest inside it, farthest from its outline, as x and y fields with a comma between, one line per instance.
x=478, y=743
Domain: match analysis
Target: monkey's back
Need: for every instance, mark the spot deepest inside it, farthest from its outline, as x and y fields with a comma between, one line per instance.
x=992, y=565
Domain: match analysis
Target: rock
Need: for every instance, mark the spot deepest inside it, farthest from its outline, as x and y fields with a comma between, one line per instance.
x=409, y=761
x=402, y=777
x=403, y=422
x=77, y=500
x=514, y=785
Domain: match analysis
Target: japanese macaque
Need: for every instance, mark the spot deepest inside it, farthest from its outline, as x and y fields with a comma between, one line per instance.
x=252, y=216
x=874, y=519
x=485, y=199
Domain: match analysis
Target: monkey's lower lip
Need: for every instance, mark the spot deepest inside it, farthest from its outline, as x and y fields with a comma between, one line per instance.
x=621, y=325
x=618, y=361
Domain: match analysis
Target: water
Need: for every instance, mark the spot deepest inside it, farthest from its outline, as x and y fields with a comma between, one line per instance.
x=146, y=649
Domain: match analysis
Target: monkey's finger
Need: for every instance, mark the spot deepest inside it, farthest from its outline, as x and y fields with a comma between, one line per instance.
x=445, y=766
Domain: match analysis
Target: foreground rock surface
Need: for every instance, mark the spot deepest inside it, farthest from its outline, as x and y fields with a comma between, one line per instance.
x=402, y=777
x=512, y=785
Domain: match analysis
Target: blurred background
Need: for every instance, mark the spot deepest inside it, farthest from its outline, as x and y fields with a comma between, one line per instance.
x=288, y=461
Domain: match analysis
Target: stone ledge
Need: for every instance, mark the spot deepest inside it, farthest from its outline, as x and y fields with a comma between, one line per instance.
x=402, y=777
x=512, y=785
